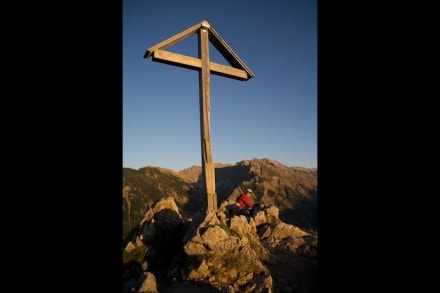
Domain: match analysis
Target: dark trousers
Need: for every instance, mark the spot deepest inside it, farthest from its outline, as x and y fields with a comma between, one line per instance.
x=245, y=212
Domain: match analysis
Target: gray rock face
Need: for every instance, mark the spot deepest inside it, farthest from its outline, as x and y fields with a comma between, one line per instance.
x=223, y=252
x=225, y=256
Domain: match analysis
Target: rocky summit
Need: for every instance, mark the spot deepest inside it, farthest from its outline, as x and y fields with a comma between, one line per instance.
x=218, y=251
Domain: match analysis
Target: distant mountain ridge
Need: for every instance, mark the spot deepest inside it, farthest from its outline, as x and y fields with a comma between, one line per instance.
x=292, y=189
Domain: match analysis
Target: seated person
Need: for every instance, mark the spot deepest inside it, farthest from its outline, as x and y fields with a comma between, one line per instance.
x=245, y=203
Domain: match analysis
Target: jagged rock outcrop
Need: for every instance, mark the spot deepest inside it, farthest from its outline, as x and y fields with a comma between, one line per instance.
x=156, y=240
x=165, y=203
x=289, y=247
x=223, y=252
x=224, y=256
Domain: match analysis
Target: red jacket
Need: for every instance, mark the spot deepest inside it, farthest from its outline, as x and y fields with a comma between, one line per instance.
x=244, y=201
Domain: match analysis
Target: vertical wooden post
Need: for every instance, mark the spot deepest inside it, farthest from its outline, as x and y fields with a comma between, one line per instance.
x=205, y=111
x=238, y=71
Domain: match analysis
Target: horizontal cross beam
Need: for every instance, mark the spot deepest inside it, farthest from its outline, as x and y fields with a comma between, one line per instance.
x=195, y=63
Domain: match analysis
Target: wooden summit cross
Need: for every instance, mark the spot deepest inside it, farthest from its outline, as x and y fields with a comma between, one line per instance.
x=238, y=71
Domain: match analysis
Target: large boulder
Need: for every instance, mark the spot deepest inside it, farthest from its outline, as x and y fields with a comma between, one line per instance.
x=224, y=255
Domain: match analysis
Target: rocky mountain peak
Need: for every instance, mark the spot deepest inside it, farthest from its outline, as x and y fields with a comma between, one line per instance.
x=191, y=174
x=220, y=251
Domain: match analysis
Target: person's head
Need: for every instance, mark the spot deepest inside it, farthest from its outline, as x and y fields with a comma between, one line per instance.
x=249, y=191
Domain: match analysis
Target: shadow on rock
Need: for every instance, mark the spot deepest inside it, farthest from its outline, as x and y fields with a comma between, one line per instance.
x=186, y=287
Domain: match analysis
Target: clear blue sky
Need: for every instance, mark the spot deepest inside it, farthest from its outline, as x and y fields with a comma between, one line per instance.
x=272, y=115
